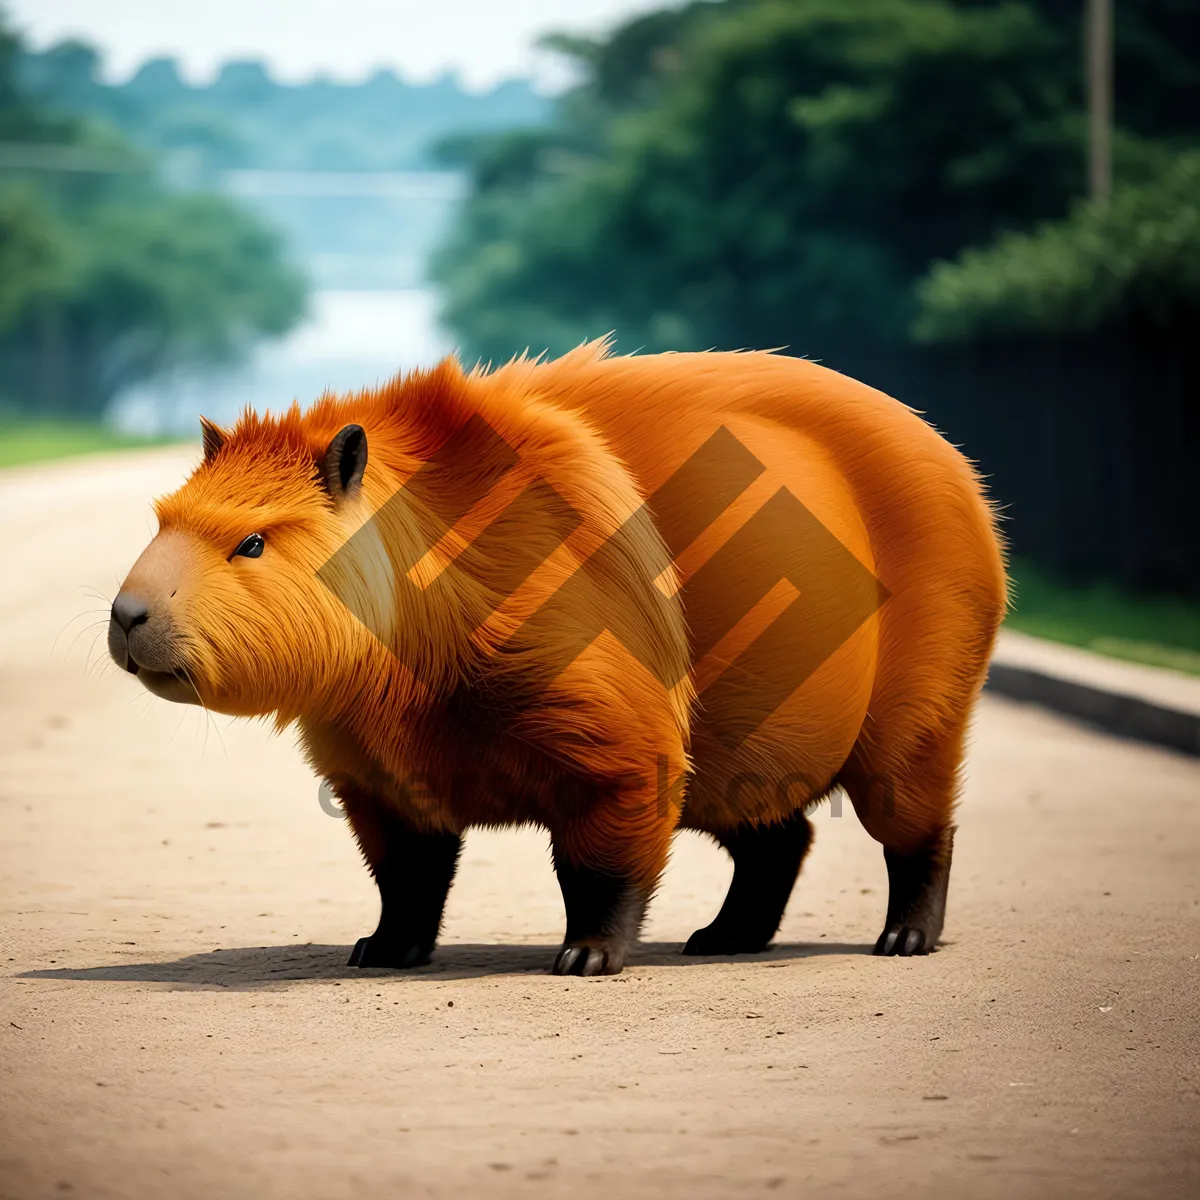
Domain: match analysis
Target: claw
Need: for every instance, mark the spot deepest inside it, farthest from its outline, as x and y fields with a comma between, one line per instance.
x=901, y=942
x=887, y=942
x=566, y=960
x=594, y=962
x=581, y=960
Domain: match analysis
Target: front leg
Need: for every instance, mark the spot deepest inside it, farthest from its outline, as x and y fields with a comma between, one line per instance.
x=414, y=870
x=608, y=863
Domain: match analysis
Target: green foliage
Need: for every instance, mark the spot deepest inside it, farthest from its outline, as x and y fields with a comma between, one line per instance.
x=31, y=252
x=781, y=172
x=161, y=262
x=131, y=285
x=106, y=278
x=778, y=175
x=1132, y=260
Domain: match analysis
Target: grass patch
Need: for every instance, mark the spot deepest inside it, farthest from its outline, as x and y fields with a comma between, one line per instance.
x=1160, y=631
x=35, y=440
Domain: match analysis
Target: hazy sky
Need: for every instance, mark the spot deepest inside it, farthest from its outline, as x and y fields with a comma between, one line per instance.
x=484, y=40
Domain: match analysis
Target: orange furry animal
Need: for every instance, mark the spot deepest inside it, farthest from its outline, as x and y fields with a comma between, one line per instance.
x=612, y=596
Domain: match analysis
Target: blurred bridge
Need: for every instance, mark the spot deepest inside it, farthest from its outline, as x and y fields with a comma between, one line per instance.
x=355, y=229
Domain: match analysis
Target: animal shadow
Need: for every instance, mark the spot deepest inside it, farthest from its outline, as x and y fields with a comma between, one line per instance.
x=251, y=967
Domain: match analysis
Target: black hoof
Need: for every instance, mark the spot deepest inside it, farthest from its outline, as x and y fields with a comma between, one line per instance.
x=902, y=942
x=711, y=940
x=585, y=960
x=370, y=952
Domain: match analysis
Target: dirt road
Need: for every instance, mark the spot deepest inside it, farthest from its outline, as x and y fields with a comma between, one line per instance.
x=176, y=1019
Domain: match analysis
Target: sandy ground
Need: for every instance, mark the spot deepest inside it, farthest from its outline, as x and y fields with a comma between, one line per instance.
x=176, y=1019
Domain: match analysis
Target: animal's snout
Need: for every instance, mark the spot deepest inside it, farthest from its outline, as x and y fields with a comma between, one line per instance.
x=141, y=633
x=129, y=610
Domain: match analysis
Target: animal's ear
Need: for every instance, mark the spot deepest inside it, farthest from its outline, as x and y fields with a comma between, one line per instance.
x=344, y=463
x=214, y=438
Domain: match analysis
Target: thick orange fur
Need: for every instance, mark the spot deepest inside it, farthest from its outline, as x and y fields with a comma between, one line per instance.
x=400, y=714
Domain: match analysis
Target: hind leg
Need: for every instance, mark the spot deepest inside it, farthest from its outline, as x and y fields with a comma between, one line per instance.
x=910, y=811
x=766, y=861
x=917, y=886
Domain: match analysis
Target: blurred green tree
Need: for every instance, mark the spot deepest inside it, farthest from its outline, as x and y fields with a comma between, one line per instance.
x=107, y=279
x=30, y=253
x=133, y=287
x=772, y=173
x=1133, y=262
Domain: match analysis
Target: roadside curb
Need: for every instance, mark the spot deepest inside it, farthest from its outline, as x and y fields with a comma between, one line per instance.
x=1143, y=703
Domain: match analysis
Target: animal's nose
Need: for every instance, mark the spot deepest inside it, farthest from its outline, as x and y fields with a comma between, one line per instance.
x=128, y=611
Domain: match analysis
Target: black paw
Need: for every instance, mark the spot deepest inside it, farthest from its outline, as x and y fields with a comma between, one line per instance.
x=372, y=952
x=903, y=941
x=714, y=940
x=587, y=960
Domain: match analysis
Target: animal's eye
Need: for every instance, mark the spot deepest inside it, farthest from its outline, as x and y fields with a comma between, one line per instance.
x=252, y=547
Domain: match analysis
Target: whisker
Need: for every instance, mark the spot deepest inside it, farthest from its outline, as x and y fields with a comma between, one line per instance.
x=88, y=662
x=182, y=717
x=208, y=716
x=98, y=626
x=79, y=633
x=96, y=664
x=143, y=702
x=88, y=590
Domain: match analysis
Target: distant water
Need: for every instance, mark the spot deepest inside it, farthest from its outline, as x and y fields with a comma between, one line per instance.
x=351, y=340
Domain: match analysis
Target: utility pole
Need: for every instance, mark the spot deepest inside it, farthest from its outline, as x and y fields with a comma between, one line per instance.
x=1098, y=55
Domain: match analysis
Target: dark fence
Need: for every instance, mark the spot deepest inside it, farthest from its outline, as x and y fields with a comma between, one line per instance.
x=1090, y=446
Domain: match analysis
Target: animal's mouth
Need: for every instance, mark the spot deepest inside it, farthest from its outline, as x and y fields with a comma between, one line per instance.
x=167, y=685
x=150, y=650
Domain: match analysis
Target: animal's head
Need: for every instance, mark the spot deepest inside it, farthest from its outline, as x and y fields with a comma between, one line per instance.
x=225, y=606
